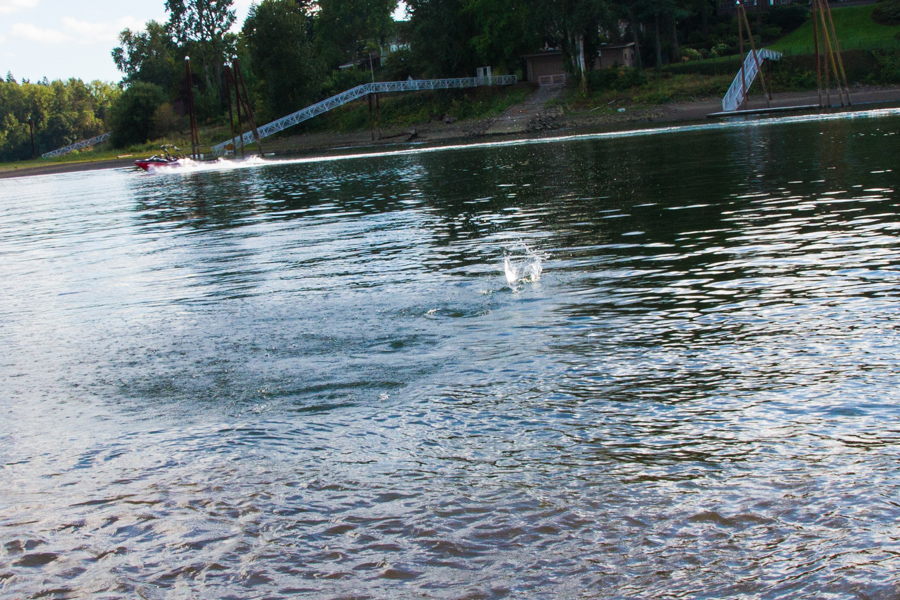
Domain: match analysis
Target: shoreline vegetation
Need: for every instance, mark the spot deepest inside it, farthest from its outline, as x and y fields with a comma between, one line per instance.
x=568, y=113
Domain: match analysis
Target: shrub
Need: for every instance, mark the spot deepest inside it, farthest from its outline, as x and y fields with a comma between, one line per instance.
x=342, y=80
x=165, y=120
x=887, y=12
x=889, y=66
x=621, y=78
x=688, y=54
x=719, y=50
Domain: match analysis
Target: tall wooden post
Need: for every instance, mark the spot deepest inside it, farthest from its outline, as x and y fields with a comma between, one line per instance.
x=371, y=119
x=246, y=98
x=760, y=74
x=837, y=50
x=195, y=134
x=829, y=48
x=740, y=7
x=818, y=55
x=228, y=85
x=237, y=98
x=378, y=114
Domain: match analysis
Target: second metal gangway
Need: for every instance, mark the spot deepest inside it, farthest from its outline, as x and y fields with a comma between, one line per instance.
x=737, y=93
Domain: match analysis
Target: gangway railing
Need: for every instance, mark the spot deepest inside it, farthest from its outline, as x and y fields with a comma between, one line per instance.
x=77, y=145
x=361, y=91
x=737, y=93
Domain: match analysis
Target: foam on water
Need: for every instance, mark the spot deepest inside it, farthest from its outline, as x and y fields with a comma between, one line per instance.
x=188, y=165
x=522, y=265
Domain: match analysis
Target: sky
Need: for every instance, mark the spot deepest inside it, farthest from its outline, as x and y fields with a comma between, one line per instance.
x=61, y=39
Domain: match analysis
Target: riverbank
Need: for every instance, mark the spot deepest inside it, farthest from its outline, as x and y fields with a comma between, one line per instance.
x=28, y=169
x=520, y=121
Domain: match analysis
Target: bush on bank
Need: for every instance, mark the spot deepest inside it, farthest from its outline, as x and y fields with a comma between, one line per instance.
x=132, y=115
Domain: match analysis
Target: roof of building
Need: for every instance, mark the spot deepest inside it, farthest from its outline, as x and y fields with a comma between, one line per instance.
x=542, y=53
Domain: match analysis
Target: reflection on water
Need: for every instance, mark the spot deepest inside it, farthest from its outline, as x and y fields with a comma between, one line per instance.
x=316, y=377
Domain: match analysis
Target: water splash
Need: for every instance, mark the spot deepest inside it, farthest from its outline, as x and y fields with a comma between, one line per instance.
x=187, y=165
x=522, y=265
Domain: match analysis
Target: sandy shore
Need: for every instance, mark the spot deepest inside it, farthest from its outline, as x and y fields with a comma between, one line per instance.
x=540, y=121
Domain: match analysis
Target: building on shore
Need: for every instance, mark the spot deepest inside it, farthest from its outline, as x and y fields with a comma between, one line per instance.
x=548, y=67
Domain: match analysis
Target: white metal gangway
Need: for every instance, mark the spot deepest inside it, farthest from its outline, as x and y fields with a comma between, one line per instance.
x=77, y=146
x=360, y=91
x=738, y=91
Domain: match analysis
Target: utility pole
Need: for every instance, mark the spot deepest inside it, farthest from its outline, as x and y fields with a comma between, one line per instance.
x=31, y=126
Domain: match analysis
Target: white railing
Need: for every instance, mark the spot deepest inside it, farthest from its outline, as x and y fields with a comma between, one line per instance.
x=737, y=93
x=552, y=80
x=77, y=146
x=360, y=91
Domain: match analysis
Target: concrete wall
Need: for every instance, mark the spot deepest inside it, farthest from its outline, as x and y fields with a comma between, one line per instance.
x=618, y=56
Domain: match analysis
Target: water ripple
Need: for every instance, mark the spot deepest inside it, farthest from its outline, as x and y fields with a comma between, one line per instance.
x=314, y=377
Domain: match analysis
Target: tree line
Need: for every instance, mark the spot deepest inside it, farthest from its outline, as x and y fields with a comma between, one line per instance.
x=295, y=52
x=58, y=112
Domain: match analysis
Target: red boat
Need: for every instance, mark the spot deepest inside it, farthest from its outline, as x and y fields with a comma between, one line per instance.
x=168, y=158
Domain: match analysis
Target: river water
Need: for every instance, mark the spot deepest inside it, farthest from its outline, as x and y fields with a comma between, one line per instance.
x=314, y=377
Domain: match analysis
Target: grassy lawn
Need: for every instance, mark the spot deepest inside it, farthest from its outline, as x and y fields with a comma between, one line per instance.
x=855, y=29
x=102, y=152
x=660, y=88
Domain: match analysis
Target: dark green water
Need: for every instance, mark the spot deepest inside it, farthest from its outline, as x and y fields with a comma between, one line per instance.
x=313, y=378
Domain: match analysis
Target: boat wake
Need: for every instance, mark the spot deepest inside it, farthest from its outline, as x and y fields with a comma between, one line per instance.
x=187, y=165
x=255, y=161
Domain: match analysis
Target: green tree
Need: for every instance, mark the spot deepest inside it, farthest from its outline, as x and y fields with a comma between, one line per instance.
x=506, y=31
x=574, y=25
x=164, y=121
x=441, y=35
x=344, y=27
x=626, y=11
x=149, y=56
x=200, y=27
x=288, y=73
x=62, y=112
x=104, y=95
x=132, y=114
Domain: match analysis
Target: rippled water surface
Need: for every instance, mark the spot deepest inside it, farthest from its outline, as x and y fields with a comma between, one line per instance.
x=318, y=378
